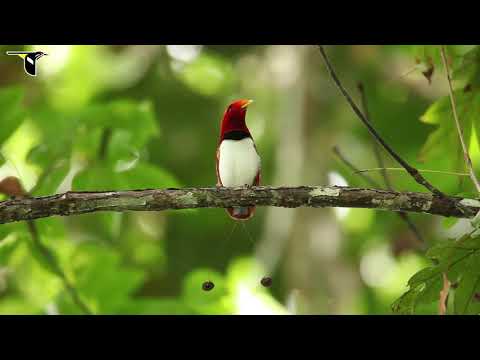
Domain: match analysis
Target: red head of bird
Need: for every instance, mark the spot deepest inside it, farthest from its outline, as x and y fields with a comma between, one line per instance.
x=238, y=162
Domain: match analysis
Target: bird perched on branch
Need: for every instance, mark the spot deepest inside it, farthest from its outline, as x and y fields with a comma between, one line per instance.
x=238, y=162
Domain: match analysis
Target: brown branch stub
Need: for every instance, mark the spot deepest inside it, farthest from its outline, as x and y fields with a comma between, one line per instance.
x=75, y=203
x=443, y=296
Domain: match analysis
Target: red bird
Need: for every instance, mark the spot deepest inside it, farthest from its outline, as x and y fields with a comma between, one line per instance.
x=238, y=162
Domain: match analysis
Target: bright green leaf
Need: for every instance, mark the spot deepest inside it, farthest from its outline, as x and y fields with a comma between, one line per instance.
x=12, y=113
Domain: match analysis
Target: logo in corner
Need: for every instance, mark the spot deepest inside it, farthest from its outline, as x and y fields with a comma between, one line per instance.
x=30, y=59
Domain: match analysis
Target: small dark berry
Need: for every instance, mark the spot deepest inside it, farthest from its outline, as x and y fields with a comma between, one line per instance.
x=266, y=281
x=477, y=296
x=208, y=285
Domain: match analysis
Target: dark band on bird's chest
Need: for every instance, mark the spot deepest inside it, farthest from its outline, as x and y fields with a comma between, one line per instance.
x=236, y=135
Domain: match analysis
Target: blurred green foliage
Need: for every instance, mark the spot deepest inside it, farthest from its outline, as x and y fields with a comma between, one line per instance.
x=134, y=117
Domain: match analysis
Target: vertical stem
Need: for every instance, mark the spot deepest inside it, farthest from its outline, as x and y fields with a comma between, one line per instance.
x=466, y=156
x=106, y=135
x=410, y=169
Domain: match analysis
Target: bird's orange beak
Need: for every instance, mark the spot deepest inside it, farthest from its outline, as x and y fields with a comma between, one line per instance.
x=245, y=103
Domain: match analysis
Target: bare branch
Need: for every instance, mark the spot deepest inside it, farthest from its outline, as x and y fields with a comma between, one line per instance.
x=376, y=147
x=410, y=169
x=466, y=156
x=74, y=203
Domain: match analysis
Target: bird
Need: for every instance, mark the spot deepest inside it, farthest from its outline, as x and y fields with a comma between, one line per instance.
x=29, y=60
x=238, y=162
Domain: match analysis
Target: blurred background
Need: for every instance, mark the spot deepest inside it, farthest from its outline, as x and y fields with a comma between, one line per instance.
x=132, y=117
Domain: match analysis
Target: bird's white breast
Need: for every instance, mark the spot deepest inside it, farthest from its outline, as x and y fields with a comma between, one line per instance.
x=238, y=162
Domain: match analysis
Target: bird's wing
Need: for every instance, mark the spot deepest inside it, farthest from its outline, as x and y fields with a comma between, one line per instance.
x=219, y=182
x=256, y=182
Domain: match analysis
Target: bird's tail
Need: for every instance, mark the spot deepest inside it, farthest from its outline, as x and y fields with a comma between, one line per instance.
x=241, y=213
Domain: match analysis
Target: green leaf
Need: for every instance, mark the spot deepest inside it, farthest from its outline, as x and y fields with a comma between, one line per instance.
x=137, y=118
x=467, y=295
x=44, y=256
x=7, y=247
x=145, y=176
x=12, y=113
x=423, y=276
x=142, y=176
x=208, y=75
x=50, y=180
x=443, y=140
x=449, y=222
x=18, y=306
x=458, y=260
x=431, y=291
x=33, y=280
x=152, y=306
x=405, y=305
x=57, y=133
x=98, y=178
x=468, y=67
x=103, y=281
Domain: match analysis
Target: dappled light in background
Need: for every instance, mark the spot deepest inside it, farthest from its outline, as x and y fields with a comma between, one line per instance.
x=145, y=117
x=184, y=53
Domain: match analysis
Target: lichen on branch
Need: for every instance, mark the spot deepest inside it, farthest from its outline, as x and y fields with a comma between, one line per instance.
x=75, y=203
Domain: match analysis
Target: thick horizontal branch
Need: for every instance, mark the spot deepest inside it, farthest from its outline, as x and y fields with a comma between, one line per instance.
x=74, y=203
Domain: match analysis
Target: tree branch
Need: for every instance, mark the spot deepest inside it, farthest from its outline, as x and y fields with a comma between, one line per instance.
x=376, y=146
x=74, y=203
x=410, y=169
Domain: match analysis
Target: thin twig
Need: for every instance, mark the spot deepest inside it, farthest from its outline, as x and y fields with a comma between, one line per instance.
x=410, y=169
x=355, y=170
x=466, y=156
x=420, y=170
x=372, y=182
x=50, y=257
x=376, y=147
x=404, y=216
x=443, y=297
x=105, y=140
